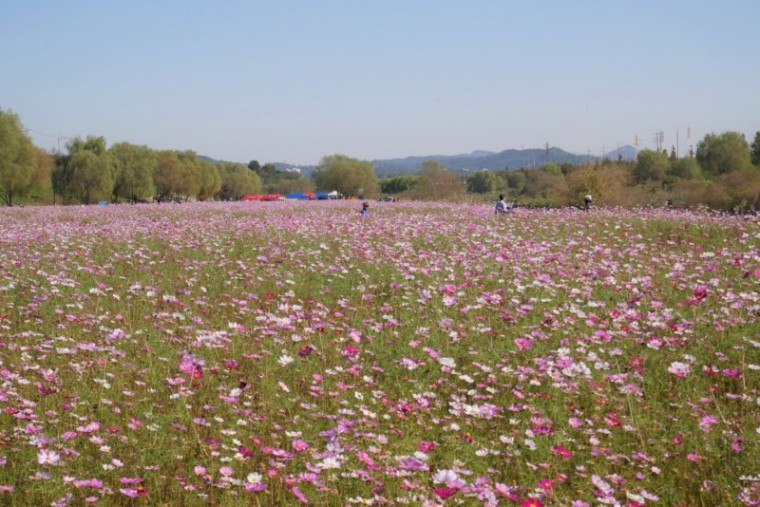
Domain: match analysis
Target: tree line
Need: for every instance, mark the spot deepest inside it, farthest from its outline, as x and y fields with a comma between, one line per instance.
x=724, y=173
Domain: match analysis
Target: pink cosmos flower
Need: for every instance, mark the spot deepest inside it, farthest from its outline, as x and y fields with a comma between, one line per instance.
x=425, y=446
x=448, y=289
x=562, y=451
x=88, y=483
x=444, y=493
x=545, y=484
x=133, y=492
x=523, y=343
x=300, y=445
x=254, y=487
x=707, y=421
x=301, y=497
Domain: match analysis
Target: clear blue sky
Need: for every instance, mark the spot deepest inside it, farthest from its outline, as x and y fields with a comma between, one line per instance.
x=293, y=81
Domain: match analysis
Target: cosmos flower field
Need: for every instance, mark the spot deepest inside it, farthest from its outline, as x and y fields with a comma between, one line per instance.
x=427, y=354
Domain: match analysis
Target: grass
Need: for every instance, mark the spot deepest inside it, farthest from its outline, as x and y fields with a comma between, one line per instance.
x=273, y=353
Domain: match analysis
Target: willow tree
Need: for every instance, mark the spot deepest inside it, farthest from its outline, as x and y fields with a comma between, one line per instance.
x=135, y=168
x=87, y=173
x=17, y=158
x=437, y=183
x=237, y=181
x=348, y=176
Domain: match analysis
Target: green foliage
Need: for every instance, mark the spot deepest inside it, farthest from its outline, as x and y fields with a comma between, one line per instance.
x=516, y=180
x=87, y=174
x=483, y=182
x=436, y=183
x=291, y=182
x=209, y=180
x=181, y=176
x=544, y=188
x=135, y=168
x=169, y=174
x=348, y=176
x=722, y=153
x=552, y=168
x=398, y=184
x=756, y=149
x=17, y=158
x=685, y=168
x=40, y=188
x=743, y=189
x=237, y=181
x=275, y=181
x=650, y=165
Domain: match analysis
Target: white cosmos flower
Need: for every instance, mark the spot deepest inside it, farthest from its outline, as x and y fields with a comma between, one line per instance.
x=48, y=457
x=444, y=476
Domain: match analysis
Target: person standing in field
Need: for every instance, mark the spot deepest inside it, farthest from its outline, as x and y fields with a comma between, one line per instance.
x=365, y=209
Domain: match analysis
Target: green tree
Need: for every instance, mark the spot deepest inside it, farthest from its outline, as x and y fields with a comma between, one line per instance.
x=168, y=175
x=685, y=168
x=398, y=184
x=722, y=153
x=516, y=180
x=134, y=174
x=209, y=180
x=482, y=182
x=88, y=172
x=742, y=188
x=436, y=183
x=650, y=165
x=290, y=184
x=192, y=175
x=348, y=176
x=756, y=149
x=545, y=188
x=40, y=189
x=267, y=173
x=17, y=158
x=237, y=181
x=556, y=170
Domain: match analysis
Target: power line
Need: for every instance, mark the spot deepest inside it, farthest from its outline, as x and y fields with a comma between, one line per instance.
x=58, y=137
x=41, y=134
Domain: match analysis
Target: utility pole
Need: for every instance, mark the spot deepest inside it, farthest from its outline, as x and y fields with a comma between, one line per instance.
x=678, y=148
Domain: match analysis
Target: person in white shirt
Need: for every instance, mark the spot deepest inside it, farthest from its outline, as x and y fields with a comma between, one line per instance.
x=501, y=206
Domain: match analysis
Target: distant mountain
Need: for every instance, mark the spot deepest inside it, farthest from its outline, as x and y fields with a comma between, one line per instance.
x=479, y=159
x=626, y=153
x=507, y=159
